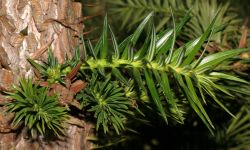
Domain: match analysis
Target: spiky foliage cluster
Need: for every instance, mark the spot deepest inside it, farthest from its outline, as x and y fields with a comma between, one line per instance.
x=107, y=100
x=156, y=65
x=133, y=11
x=203, y=12
x=235, y=133
x=54, y=72
x=36, y=110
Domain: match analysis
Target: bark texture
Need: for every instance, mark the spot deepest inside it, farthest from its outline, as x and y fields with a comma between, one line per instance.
x=27, y=29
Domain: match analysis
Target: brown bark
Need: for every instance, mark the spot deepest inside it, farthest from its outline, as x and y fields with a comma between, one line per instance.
x=27, y=29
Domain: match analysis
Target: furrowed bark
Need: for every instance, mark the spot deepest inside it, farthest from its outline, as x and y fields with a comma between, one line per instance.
x=27, y=29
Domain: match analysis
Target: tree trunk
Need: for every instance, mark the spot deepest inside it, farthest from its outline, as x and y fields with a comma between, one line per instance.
x=27, y=29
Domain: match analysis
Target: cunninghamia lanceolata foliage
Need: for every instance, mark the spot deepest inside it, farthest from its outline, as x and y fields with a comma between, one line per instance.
x=154, y=67
x=157, y=64
x=52, y=71
x=130, y=12
x=38, y=111
x=108, y=102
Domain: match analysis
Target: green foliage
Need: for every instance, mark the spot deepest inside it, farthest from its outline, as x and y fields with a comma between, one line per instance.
x=157, y=64
x=107, y=100
x=131, y=12
x=37, y=110
x=52, y=71
x=235, y=134
x=203, y=12
x=146, y=73
x=162, y=73
x=238, y=131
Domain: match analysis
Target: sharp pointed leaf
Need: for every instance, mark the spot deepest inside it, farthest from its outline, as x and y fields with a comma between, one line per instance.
x=165, y=85
x=220, y=75
x=213, y=60
x=199, y=43
x=90, y=48
x=104, y=41
x=164, y=42
x=115, y=45
x=151, y=50
x=140, y=28
x=170, y=55
x=154, y=94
